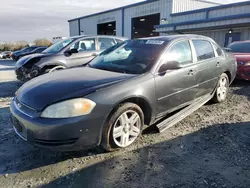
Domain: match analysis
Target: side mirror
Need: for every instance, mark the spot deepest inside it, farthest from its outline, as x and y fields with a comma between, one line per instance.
x=227, y=49
x=170, y=65
x=71, y=51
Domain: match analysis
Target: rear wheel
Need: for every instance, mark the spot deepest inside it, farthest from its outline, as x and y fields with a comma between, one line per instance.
x=123, y=127
x=222, y=89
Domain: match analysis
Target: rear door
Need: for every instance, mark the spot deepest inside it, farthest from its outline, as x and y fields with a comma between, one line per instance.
x=176, y=88
x=87, y=50
x=208, y=65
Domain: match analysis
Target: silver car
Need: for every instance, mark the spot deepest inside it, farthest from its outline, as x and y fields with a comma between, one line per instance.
x=70, y=52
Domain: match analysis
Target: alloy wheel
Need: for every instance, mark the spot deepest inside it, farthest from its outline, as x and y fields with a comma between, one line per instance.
x=222, y=88
x=126, y=128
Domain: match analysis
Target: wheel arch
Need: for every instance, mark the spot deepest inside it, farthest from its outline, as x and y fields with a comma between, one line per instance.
x=228, y=73
x=52, y=65
x=141, y=102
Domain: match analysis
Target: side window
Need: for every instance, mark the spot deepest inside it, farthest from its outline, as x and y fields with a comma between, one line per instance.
x=84, y=45
x=218, y=50
x=105, y=43
x=180, y=52
x=204, y=49
x=118, y=40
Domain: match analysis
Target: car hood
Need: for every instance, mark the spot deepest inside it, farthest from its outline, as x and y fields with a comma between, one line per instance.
x=66, y=84
x=243, y=57
x=22, y=61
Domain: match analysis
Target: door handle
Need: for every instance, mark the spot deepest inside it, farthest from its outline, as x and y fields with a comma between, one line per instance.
x=191, y=73
x=217, y=64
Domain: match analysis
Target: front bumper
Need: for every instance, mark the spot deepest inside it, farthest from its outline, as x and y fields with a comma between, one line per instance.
x=243, y=73
x=68, y=134
x=24, y=74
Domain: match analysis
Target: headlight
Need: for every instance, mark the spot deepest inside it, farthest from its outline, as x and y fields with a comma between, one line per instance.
x=69, y=108
x=247, y=64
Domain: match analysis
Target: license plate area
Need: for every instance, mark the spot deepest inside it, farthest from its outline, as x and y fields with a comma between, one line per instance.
x=19, y=128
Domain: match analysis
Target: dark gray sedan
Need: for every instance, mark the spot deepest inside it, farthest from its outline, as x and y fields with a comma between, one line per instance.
x=133, y=84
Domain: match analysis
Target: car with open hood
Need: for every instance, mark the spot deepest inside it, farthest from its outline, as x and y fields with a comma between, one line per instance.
x=70, y=52
x=109, y=101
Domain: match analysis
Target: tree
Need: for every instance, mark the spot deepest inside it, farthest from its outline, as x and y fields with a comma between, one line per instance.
x=42, y=42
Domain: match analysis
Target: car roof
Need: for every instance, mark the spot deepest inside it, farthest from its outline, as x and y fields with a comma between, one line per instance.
x=245, y=41
x=176, y=37
x=106, y=36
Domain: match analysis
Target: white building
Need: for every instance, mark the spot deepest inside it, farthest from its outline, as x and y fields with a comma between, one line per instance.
x=224, y=23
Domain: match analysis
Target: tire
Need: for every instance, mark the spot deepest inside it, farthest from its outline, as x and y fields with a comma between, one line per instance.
x=127, y=132
x=222, y=89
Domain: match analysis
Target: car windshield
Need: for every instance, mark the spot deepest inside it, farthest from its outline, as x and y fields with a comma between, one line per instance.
x=57, y=47
x=241, y=47
x=131, y=57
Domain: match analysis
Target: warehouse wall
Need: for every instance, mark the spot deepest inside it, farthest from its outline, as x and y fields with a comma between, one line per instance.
x=89, y=24
x=186, y=5
x=219, y=35
x=162, y=6
x=73, y=28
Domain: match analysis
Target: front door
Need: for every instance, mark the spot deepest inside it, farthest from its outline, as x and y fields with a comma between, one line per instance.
x=231, y=37
x=86, y=51
x=176, y=88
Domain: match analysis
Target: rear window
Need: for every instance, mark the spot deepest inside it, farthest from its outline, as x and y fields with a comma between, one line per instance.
x=204, y=49
x=241, y=47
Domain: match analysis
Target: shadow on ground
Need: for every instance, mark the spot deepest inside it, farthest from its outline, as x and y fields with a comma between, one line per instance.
x=242, y=88
x=217, y=156
x=9, y=63
x=8, y=88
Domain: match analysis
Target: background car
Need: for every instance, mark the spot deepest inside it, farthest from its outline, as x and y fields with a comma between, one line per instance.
x=16, y=55
x=5, y=55
x=36, y=50
x=136, y=83
x=66, y=53
x=241, y=51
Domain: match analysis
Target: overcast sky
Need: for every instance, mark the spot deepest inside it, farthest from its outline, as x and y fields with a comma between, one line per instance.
x=31, y=19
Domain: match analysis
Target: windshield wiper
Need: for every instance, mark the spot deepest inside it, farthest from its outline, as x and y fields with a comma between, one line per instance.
x=112, y=69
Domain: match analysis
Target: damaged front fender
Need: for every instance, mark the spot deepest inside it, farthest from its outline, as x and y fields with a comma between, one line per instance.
x=24, y=74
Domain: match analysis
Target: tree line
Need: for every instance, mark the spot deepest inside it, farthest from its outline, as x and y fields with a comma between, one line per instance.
x=12, y=46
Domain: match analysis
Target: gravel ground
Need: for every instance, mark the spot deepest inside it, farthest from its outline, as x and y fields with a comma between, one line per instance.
x=210, y=148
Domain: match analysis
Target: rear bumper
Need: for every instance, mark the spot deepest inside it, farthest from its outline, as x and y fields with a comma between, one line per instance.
x=69, y=134
x=243, y=73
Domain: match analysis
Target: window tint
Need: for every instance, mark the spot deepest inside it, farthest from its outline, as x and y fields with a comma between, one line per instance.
x=204, y=49
x=105, y=43
x=240, y=47
x=84, y=45
x=180, y=52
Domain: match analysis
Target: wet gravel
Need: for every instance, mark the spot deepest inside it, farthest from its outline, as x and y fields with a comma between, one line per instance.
x=210, y=148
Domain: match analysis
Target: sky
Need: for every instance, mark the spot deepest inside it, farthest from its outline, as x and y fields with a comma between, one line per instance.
x=32, y=19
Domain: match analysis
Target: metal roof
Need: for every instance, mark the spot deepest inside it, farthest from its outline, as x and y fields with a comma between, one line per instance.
x=132, y=5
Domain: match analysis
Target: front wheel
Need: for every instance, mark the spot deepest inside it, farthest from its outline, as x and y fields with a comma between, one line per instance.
x=222, y=89
x=123, y=127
